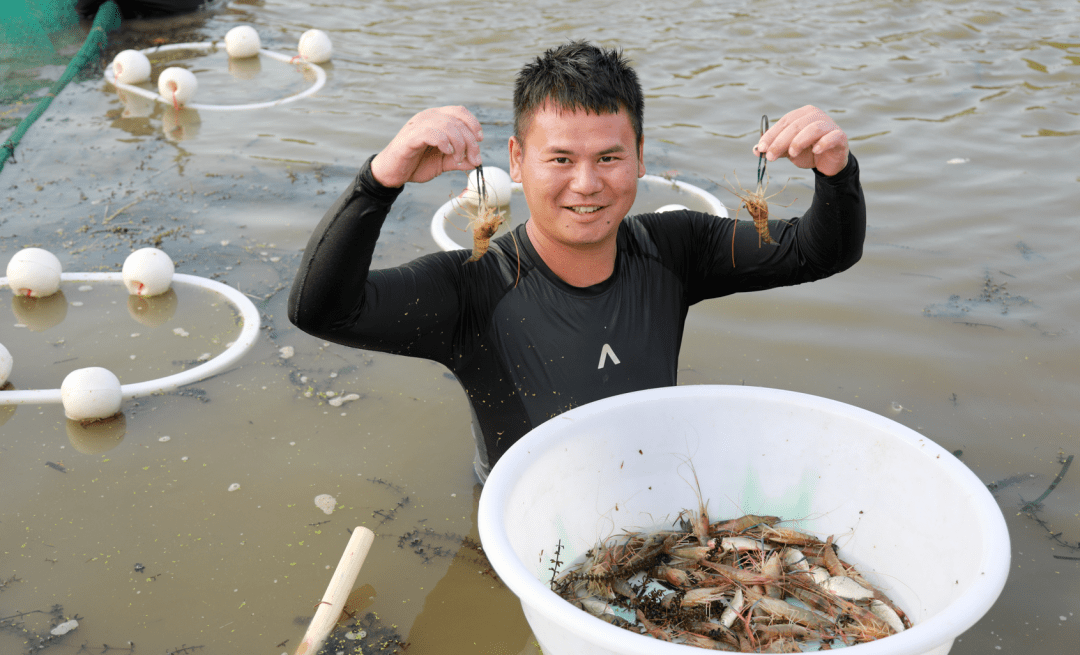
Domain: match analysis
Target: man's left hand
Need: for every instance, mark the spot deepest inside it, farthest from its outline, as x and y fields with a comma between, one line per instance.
x=809, y=138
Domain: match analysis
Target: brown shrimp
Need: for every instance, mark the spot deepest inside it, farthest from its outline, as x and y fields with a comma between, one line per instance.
x=756, y=202
x=484, y=226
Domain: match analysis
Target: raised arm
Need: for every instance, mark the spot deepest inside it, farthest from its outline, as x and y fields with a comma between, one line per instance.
x=335, y=296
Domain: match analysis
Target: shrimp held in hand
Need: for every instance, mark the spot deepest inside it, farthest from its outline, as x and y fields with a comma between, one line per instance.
x=487, y=220
x=484, y=226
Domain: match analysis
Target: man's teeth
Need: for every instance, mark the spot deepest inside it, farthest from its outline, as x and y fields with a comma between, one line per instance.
x=584, y=210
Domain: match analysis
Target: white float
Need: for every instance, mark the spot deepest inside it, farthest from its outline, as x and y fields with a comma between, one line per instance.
x=131, y=67
x=177, y=85
x=90, y=394
x=438, y=221
x=315, y=46
x=249, y=333
x=497, y=184
x=242, y=41
x=34, y=272
x=148, y=272
x=320, y=79
x=887, y=492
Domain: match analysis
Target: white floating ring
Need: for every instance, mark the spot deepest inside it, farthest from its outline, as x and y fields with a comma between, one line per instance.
x=248, y=335
x=320, y=78
x=438, y=221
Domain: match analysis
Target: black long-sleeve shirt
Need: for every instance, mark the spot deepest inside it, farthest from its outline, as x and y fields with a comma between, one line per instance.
x=527, y=346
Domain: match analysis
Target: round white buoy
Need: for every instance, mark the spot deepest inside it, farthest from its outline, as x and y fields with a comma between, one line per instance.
x=131, y=67
x=148, y=272
x=6, y=363
x=177, y=85
x=89, y=394
x=34, y=272
x=242, y=41
x=315, y=46
x=671, y=208
x=497, y=183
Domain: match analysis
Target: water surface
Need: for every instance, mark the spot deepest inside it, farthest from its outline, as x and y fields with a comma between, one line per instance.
x=962, y=313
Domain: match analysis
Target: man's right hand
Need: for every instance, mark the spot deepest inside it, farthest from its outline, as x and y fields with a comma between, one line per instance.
x=432, y=142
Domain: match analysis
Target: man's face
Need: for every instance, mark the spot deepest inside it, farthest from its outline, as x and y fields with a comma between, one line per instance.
x=579, y=172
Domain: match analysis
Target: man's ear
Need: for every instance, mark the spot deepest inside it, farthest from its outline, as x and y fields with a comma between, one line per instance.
x=641, y=157
x=516, y=154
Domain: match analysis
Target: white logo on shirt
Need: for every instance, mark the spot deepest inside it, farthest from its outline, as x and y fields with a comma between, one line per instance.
x=606, y=352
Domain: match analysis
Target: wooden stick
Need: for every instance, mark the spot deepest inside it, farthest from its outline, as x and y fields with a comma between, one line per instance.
x=338, y=592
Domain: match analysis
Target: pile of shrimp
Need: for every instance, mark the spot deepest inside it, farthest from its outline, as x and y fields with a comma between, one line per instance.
x=741, y=585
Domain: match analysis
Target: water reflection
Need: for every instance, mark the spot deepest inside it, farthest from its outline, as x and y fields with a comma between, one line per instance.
x=97, y=437
x=40, y=314
x=1005, y=397
x=152, y=311
x=135, y=105
x=7, y=411
x=246, y=68
x=180, y=124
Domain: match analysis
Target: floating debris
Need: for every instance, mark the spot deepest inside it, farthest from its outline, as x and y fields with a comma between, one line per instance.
x=64, y=628
x=287, y=352
x=326, y=503
x=341, y=400
x=746, y=585
x=234, y=486
x=958, y=160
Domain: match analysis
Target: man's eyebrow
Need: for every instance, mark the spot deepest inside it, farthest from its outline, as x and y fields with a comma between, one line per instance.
x=557, y=150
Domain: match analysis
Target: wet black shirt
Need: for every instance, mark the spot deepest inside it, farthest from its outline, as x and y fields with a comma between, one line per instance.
x=525, y=345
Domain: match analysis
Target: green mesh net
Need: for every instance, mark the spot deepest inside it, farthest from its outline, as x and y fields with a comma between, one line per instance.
x=25, y=26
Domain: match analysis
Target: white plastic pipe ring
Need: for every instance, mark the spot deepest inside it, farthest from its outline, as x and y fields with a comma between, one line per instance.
x=320, y=79
x=249, y=333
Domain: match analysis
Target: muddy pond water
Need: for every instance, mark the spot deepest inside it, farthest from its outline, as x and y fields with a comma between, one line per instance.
x=962, y=320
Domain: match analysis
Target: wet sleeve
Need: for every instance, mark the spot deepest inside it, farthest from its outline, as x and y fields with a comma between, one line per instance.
x=717, y=257
x=404, y=310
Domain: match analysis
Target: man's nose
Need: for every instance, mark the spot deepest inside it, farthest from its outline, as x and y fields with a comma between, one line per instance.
x=586, y=180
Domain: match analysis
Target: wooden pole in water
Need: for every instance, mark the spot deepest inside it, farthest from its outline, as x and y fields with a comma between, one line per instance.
x=338, y=592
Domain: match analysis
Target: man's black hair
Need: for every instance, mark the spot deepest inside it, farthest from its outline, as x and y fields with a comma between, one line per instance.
x=579, y=76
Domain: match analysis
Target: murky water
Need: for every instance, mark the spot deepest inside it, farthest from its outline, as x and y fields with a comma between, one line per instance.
x=963, y=312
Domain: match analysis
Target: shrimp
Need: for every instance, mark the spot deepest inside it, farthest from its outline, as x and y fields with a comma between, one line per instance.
x=486, y=222
x=756, y=202
x=484, y=225
x=743, y=523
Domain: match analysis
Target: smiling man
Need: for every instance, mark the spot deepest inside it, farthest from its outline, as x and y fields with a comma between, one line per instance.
x=583, y=302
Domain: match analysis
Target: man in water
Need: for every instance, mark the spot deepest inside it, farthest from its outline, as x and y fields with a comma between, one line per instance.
x=583, y=302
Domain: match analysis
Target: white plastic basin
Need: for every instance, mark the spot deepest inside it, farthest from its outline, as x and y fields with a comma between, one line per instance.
x=911, y=516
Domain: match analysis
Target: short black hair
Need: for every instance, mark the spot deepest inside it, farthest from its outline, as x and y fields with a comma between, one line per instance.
x=579, y=76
